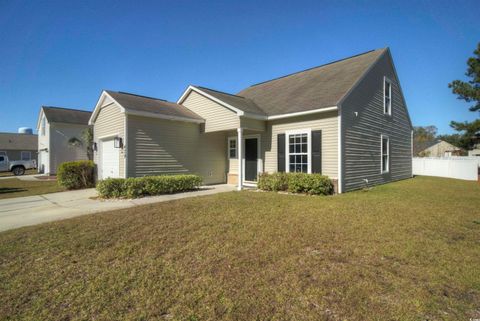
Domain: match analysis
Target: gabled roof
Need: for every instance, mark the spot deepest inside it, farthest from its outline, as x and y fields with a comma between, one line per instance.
x=147, y=106
x=315, y=88
x=242, y=103
x=421, y=146
x=14, y=141
x=66, y=115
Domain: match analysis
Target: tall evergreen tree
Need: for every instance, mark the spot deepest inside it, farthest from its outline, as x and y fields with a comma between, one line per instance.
x=470, y=92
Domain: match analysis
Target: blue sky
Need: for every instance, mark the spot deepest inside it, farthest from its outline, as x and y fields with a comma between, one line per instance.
x=63, y=53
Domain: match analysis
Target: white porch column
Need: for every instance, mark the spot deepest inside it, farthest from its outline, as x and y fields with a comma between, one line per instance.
x=239, y=155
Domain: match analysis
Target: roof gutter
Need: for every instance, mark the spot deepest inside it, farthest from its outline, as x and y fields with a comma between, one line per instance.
x=301, y=113
x=161, y=116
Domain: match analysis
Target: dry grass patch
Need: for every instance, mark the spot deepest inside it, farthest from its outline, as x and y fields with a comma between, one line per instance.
x=15, y=187
x=403, y=251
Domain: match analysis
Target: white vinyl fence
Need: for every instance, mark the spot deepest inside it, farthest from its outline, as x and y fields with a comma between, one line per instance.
x=453, y=167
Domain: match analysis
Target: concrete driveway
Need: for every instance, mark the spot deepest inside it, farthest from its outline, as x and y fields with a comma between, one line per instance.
x=31, y=210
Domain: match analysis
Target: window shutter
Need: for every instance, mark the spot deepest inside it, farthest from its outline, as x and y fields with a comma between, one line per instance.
x=281, y=152
x=317, y=151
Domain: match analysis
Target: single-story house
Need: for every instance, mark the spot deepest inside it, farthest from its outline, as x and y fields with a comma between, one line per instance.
x=18, y=146
x=60, y=132
x=436, y=148
x=347, y=119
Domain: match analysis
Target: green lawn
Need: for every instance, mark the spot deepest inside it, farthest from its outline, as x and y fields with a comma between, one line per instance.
x=16, y=188
x=404, y=251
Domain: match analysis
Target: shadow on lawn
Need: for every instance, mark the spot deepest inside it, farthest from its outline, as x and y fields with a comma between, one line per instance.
x=5, y=190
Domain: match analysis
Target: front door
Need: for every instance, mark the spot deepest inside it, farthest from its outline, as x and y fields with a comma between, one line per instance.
x=251, y=159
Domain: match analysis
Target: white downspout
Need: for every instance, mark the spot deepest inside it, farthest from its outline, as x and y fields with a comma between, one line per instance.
x=125, y=146
x=239, y=155
x=411, y=148
x=340, y=159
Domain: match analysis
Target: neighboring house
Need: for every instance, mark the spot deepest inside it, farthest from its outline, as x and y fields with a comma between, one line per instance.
x=347, y=120
x=19, y=146
x=60, y=137
x=436, y=148
x=474, y=152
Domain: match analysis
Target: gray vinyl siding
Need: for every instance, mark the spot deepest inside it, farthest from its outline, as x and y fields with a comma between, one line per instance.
x=60, y=149
x=361, y=135
x=159, y=146
x=110, y=121
x=217, y=117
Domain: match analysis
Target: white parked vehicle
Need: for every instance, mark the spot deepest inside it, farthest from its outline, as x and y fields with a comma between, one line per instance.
x=16, y=167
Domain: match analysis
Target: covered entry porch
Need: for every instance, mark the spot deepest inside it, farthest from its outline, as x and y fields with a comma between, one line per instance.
x=245, y=160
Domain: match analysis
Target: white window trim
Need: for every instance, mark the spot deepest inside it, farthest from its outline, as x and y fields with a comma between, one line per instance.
x=236, y=147
x=29, y=155
x=307, y=131
x=259, y=158
x=385, y=80
x=381, y=154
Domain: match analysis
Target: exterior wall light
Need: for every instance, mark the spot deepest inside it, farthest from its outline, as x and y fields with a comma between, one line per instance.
x=117, y=142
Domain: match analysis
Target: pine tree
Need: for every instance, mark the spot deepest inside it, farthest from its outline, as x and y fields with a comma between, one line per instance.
x=470, y=92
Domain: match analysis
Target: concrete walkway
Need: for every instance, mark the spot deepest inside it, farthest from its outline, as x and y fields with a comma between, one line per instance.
x=31, y=210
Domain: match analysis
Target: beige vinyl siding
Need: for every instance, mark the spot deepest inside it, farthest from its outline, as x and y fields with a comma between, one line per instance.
x=326, y=122
x=160, y=146
x=253, y=124
x=361, y=135
x=217, y=117
x=60, y=149
x=110, y=121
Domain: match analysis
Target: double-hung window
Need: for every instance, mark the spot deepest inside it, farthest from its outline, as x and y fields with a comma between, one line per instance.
x=385, y=149
x=232, y=148
x=298, y=158
x=387, y=96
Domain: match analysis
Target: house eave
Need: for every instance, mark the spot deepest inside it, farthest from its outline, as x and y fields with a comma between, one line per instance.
x=162, y=116
x=302, y=113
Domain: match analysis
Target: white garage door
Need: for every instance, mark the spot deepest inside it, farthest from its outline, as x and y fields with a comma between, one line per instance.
x=110, y=160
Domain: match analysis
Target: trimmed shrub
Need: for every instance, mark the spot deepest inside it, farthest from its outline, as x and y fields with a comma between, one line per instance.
x=76, y=175
x=313, y=184
x=273, y=182
x=146, y=186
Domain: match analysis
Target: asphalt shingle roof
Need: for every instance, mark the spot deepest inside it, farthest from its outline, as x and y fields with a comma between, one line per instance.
x=152, y=105
x=66, y=115
x=14, y=141
x=242, y=103
x=314, y=88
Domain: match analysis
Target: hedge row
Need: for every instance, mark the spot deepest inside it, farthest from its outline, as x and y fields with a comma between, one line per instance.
x=76, y=175
x=313, y=184
x=149, y=185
